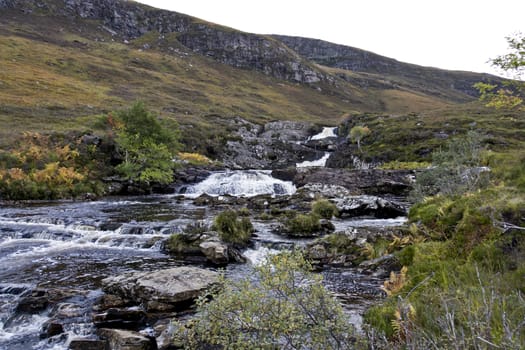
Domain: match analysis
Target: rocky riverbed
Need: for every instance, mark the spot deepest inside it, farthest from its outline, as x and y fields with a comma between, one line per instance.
x=88, y=275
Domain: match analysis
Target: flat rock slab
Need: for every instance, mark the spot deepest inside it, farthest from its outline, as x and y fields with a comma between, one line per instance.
x=161, y=289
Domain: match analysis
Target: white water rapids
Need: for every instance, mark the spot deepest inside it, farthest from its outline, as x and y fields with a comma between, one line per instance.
x=241, y=183
x=325, y=133
x=68, y=244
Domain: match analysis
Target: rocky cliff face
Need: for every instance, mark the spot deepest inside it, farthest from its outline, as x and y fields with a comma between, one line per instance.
x=131, y=20
x=357, y=60
x=290, y=58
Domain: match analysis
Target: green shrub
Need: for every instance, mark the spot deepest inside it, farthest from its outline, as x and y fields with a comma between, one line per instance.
x=303, y=225
x=281, y=306
x=181, y=244
x=456, y=169
x=233, y=229
x=406, y=255
x=324, y=209
x=340, y=243
x=244, y=212
x=146, y=146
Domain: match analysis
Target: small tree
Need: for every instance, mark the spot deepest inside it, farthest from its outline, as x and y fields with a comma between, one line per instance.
x=511, y=95
x=357, y=133
x=456, y=169
x=324, y=208
x=282, y=306
x=233, y=229
x=146, y=146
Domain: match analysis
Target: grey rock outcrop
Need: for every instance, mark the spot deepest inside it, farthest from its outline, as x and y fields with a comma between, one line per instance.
x=352, y=206
x=118, y=339
x=163, y=289
x=274, y=145
x=370, y=181
x=358, y=60
x=129, y=20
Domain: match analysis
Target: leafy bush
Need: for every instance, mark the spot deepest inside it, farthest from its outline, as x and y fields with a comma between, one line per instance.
x=282, y=306
x=48, y=167
x=188, y=241
x=324, y=208
x=357, y=133
x=233, y=229
x=472, y=312
x=456, y=169
x=303, y=225
x=179, y=244
x=146, y=146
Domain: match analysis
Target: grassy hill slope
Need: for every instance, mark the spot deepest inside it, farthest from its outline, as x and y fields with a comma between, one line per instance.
x=62, y=70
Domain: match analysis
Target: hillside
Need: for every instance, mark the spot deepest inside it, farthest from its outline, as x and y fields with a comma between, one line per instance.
x=66, y=62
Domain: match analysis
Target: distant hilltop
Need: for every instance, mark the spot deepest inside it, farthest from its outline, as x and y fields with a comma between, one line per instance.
x=284, y=57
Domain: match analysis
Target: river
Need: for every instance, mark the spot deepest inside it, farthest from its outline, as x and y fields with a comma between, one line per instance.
x=72, y=246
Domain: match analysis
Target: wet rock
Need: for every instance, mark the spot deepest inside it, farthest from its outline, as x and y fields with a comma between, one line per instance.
x=325, y=190
x=286, y=174
x=382, y=266
x=87, y=344
x=36, y=302
x=164, y=333
x=190, y=175
x=67, y=310
x=272, y=146
x=176, y=286
x=185, y=244
x=317, y=252
x=136, y=229
x=215, y=251
x=50, y=329
x=353, y=206
x=108, y=301
x=38, y=299
x=348, y=248
x=118, y=339
x=128, y=318
x=326, y=226
x=369, y=181
x=206, y=200
x=289, y=131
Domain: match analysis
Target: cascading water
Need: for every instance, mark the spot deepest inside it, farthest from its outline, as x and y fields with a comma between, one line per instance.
x=321, y=162
x=325, y=133
x=239, y=183
x=73, y=245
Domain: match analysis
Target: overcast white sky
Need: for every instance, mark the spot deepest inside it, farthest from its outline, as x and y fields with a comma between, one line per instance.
x=449, y=34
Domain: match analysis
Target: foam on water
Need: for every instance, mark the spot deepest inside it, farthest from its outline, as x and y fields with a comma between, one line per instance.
x=247, y=183
x=258, y=256
x=321, y=162
x=325, y=133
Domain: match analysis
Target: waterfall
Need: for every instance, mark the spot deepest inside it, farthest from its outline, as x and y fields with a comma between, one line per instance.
x=325, y=133
x=246, y=183
x=321, y=162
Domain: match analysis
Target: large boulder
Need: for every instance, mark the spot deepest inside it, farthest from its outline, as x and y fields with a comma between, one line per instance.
x=164, y=289
x=125, y=318
x=39, y=299
x=215, y=251
x=118, y=339
x=87, y=344
x=353, y=206
x=367, y=181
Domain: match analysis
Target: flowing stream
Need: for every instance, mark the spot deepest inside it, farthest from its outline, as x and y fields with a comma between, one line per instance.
x=74, y=245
